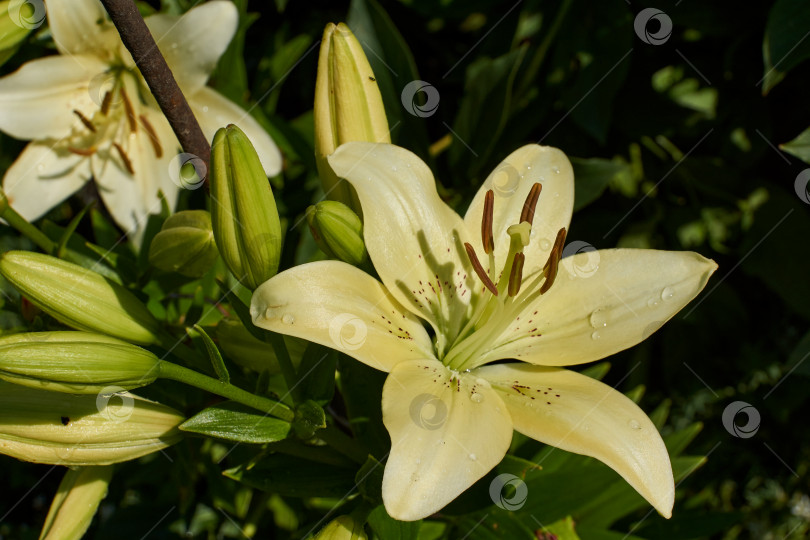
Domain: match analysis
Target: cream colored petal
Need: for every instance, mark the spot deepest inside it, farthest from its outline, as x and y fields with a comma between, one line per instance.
x=447, y=431
x=602, y=302
x=192, y=43
x=81, y=491
x=576, y=413
x=81, y=26
x=339, y=306
x=511, y=182
x=42, y=177
x=415, y=240
x=148, y=152
x=38, y=100
x=214, y=111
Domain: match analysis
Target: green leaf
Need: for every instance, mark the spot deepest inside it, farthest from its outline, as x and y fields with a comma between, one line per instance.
x=394, y=67
x=369, y=480
x=85, y=254
x=69, y=230
x=592, y=177
x=495, y=524
x=317, y=373
x=784, y=46
x=563, y=529
x=213, y=354
x=296, y=477
x=384, y=526
x=678, y=441
x=597, y=371
x=236, y=422
x=484, y=111
x=361, y=387
x=309, y=418
x=799, y=147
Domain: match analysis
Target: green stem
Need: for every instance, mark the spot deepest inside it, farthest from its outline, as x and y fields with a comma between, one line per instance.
x=285, y=363
x=204, y=382
x=344, y=444
x=537, y=60
x=23, y=226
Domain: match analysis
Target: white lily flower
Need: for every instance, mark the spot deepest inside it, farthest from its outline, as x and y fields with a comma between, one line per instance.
x=90, y=114
x=449, y=414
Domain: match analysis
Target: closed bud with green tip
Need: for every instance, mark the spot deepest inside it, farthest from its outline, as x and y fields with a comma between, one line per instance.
x=63, y=429
x=338, y=231
x=80, y=298
x=348, y=106
x=185, y=244
x=17, y=19
x=243, y=211
x=75, y=362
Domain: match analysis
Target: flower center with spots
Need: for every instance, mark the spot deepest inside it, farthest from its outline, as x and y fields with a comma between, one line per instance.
x=500, y=304
x=111, y=131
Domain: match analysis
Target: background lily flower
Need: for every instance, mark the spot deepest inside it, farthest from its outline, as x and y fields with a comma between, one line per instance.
x=492, y=287
x=90, y=114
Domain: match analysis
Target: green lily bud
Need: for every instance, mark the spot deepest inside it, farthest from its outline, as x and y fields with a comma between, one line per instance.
x=243, y=210
x=62, y=429
x=239, y=345
x=17, y=19
x=81, y=491
x=338, y=231
x=342, y=528
x=80, y=298
x=348, y=106
x=75, y=362
x=185, y=244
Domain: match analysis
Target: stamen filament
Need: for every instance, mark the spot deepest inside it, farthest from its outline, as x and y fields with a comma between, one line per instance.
x=87, y=123
x=531, y=203
x=153, y=138
x=82, y=151
x=124, y=158
x=516, y=276
x=482, y=275
x=486, y=223
x=552, y=265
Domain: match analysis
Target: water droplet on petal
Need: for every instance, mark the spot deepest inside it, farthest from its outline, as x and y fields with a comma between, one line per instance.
x=394, y=168
x=586, y=427
x=667, y=293
x=556, y=170
x=545, y=244
x=205, y=108
x=418, y=461
x=475, y=397
x=634, y=424
x=652, y=302
x=472, y=457
x=287, y=318
x=596, y=335
x=599, y=318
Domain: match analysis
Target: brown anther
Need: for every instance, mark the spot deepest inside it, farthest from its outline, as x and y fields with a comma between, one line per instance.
x=153, y=138
x=82, y=151
x=516, y=276
x=486, y=222
x=553, y=263
x=531, y=203
x=124, y=158
x=133, y=124
x=87, y=123
x=480, y=269
x=105, y=103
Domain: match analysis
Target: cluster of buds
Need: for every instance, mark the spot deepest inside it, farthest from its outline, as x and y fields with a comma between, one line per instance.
x=185, y=244
x=338, y=232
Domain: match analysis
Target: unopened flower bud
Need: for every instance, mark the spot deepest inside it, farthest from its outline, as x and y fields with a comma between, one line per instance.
x=240, y=346
x=243, y=210
x=342, y=528
x=17, y=19
x=338, y=231
x=63, y=429
x=348, y=106
x=76, y=502
x=80, y=298
x=185, y=244
x=75, y=362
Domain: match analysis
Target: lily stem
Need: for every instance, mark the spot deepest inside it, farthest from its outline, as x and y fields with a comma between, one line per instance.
x=24, y=227
x=344, y=444
x=226, y=390
x=285, y=363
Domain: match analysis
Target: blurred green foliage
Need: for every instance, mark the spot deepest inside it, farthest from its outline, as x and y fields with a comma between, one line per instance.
x=676, y=145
